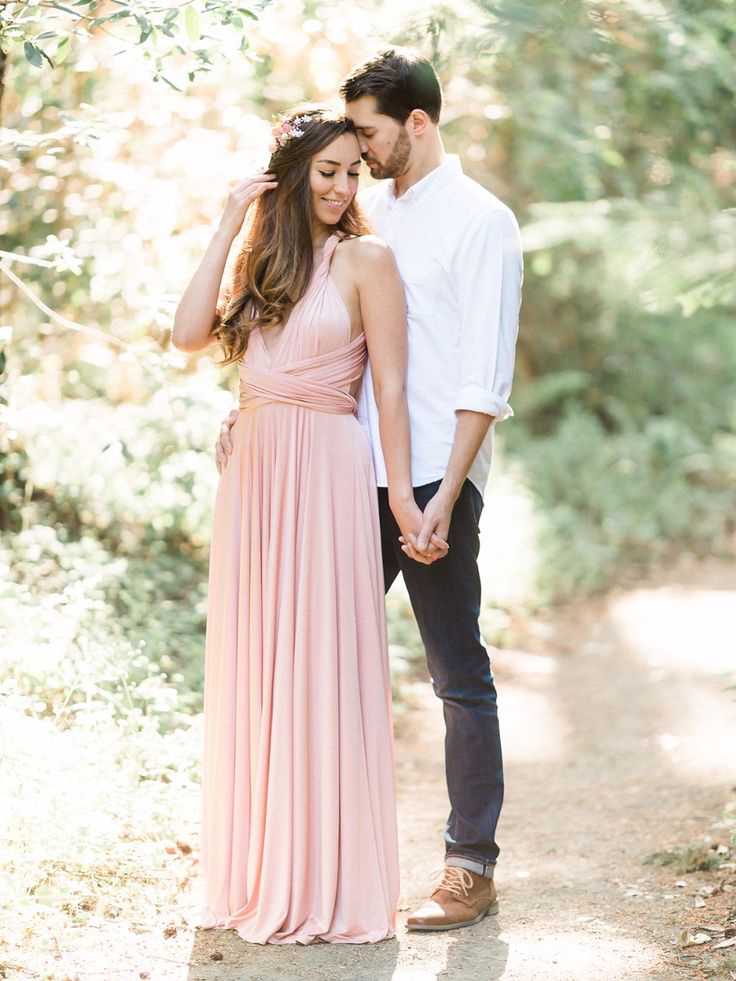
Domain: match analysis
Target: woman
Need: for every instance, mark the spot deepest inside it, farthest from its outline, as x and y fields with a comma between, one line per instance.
x=299, y=825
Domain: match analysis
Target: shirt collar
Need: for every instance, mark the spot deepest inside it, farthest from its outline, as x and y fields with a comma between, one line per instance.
x=431, y=182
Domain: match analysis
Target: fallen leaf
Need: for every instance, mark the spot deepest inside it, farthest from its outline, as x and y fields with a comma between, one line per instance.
x=686, y=939
x=217, y=956
x=731, y=942
x=699, y=901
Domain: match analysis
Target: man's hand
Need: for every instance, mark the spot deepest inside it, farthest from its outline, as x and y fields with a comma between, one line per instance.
x=224, y=444
x=430, y=543
x=409, y=518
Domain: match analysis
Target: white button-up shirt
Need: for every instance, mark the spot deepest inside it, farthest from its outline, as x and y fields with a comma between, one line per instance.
x=458, y=250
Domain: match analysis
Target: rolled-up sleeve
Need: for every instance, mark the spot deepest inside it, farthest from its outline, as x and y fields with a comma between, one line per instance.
x=487, y=271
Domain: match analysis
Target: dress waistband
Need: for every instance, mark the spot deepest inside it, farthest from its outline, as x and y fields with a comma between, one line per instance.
x=315, y=383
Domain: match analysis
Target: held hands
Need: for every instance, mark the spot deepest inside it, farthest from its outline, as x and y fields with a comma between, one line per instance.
x=430, y=542
x=420, y=539
x=240, y=199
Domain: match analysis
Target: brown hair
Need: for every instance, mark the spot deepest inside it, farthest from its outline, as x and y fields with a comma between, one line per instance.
x=401, y=80
x=275, y=264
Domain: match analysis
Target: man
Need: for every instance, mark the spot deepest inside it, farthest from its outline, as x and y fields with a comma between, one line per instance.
x=459, y=254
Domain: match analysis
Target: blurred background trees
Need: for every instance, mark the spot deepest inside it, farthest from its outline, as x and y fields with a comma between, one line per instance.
x=607, y=127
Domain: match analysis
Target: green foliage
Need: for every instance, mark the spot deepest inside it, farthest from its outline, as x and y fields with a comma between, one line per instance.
x=609, y=130
x=94, y=635
x=114, y=533
x=614, y=500
x=182, y=36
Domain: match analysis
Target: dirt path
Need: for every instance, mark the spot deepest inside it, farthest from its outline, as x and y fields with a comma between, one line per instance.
x=619, y=742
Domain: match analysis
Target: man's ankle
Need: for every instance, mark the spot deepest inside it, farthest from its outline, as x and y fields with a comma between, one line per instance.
x=485, y=869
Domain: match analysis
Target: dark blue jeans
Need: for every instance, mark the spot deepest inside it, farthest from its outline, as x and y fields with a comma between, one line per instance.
x=445, y=597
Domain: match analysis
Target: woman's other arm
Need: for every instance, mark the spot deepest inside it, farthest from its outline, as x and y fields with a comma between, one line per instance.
x=383, y=314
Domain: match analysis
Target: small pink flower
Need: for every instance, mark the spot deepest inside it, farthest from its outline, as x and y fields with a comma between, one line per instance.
x=273, y=146
x=276, y=131
x=286, y=127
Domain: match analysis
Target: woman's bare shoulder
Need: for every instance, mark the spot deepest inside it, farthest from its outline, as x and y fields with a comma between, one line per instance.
x=367, y=250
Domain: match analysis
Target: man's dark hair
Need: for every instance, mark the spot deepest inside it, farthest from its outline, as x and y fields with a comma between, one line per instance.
x=400, y=79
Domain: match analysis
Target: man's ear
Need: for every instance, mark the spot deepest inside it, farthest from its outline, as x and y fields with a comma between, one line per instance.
x=419, y=121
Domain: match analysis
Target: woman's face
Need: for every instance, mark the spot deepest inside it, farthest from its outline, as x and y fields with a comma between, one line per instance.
x=333, y=178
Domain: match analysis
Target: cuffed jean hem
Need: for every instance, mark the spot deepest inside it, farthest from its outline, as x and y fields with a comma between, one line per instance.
x=485, y=869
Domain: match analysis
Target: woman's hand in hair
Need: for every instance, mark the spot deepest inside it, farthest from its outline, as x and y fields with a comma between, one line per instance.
x=241, y=197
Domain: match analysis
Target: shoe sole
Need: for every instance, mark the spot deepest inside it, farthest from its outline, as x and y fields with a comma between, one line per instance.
x=491, y=911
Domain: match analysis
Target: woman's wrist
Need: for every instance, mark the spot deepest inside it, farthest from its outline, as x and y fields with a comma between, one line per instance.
x=400, y=496
x=225, y=235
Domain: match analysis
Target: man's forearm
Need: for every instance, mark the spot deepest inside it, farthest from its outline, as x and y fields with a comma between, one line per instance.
x=470, y=431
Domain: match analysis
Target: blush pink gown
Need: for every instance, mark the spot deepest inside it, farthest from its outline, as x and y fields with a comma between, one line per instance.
x=299, y=834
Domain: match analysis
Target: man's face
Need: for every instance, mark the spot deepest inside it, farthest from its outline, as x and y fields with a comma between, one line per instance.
x=384, y=142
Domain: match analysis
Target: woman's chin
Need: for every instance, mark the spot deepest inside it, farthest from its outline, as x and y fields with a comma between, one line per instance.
x=330, y=217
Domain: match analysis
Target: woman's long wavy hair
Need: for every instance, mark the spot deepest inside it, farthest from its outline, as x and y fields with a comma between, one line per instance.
x=275, y=265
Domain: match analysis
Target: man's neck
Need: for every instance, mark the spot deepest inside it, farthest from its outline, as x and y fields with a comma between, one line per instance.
x=430, y=159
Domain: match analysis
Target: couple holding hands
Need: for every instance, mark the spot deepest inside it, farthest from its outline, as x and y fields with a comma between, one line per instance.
x=374, y=336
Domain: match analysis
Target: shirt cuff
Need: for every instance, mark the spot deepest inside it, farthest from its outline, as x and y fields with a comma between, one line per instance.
x=475, y=398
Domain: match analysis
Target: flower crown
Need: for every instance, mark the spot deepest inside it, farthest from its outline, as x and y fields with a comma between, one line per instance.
x=287, y=130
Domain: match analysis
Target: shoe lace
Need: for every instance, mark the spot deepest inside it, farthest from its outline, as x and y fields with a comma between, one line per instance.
x=454, y=879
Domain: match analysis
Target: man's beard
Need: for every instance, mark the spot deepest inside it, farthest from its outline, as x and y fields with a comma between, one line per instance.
x=397, y=160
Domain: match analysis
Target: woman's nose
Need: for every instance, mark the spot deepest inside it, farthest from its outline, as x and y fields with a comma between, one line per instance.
x=341, y=183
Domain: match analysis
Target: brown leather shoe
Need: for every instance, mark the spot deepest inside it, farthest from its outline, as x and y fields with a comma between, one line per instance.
x=461, y=899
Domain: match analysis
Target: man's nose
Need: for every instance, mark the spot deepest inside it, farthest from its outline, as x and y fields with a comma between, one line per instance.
x=363, y=144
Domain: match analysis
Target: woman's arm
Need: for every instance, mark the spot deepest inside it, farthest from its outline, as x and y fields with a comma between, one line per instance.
x=383, y=313
x=195, y=315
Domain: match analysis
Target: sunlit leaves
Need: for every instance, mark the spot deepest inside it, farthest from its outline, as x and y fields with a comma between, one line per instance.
x=45, y=28
x=191, y=21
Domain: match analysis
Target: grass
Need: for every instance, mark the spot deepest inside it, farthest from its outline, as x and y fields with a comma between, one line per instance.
x=695, y=858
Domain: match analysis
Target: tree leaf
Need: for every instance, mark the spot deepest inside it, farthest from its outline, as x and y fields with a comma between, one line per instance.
x=686, y=939
x=146, y=28
x=33, y=54
x=191, y=22
x=62, y=50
